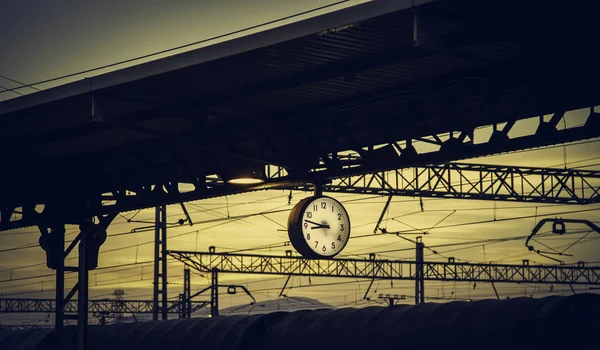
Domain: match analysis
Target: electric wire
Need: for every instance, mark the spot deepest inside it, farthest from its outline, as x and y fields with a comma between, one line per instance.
x=6, y=89
x=370, y=235
x=16, y=81
x=508, y=218
x=177, y=48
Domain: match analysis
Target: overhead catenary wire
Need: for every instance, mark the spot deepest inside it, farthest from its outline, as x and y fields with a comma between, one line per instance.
x=177, y=48
x=129, y=265
x=474, y=243
x=283, y=244
x=220, y=221
x=18, y=82
x=6, y=89
x=525, y=254
x=448, y=210
x=132, y=266
x=484, y=221
x=143, y=243
x=225, y=219
x=462, y=224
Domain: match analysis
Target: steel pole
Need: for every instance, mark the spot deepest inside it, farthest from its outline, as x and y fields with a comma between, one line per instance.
x=156, y=263
x=82, y=296
x=163, y=262
x=214, y=293
x=419, y=275
x=59, y=244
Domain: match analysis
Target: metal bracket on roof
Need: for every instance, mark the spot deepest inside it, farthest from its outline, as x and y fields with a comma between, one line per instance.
x=415, y=26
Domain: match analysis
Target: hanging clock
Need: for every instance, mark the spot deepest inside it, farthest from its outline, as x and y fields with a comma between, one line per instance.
x=319, y=227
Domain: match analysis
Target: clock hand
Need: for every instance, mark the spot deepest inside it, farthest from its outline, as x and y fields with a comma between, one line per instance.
x=316, y=223
x=320, y=226
x=312, y=222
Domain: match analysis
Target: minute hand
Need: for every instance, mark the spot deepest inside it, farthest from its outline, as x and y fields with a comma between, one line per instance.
x=318, y=225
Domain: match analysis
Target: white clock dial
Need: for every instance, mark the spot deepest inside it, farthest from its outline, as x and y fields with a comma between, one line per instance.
x=320, y=227
x=326, y=226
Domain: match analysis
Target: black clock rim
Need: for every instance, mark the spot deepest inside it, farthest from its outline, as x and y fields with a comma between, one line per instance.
x=296, y=235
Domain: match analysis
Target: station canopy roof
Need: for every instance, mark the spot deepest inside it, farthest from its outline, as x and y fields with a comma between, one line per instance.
x=371, y=74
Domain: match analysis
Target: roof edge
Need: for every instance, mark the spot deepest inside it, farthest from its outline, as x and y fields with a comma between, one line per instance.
x=269, y=37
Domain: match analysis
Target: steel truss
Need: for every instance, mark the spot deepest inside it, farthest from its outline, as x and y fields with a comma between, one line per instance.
x=389, y=269
x=476, y=181
x=452, y=180
x=94, y=306
x=562, y=186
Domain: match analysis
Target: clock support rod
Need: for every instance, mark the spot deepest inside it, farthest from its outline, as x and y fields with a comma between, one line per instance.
x=318, y=189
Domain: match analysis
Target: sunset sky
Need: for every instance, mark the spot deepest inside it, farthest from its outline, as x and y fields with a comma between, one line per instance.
x=41, y=40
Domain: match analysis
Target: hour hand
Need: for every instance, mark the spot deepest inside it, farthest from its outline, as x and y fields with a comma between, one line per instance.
x=320, y=226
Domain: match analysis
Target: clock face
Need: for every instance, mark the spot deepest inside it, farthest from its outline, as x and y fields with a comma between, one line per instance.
x=319, y=227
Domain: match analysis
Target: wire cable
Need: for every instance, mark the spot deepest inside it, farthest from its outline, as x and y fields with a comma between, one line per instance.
x=483, y=222
x=6, y=89
x=177, y=48
x=18, y=82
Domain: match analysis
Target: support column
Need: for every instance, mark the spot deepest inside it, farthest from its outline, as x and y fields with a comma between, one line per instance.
x=214, y=293
x=59, y=242
x=82, y=294
x=163, y=262
x=419, y=273
x=182, y=305
x=88, y=242
x=187, y=294
x=155, y=284
x=160, y=264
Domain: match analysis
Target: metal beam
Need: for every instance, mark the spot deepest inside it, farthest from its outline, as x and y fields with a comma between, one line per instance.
x=13, y=305
x=389, y=269
x=509, y=182
x=476, y=181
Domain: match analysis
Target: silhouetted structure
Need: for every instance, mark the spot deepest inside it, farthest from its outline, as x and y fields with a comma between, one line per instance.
x=391, y=73
x=384, y=269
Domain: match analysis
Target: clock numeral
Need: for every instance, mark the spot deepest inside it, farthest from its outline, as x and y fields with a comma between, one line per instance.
x=340, y=238
x=323, y=205
x=316, y=244
x=332, y=245
x=324, y=248
x=315, y=207
x=339, y=216
x=308, y=236
x=342, y=227
x=332, y=206
x=306, y=225
x=308, y=214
